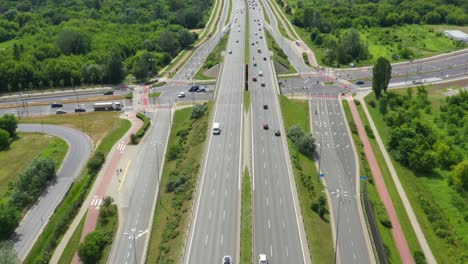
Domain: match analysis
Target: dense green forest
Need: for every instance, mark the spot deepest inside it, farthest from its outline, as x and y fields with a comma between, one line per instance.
x=334, y=26
x=55, y=43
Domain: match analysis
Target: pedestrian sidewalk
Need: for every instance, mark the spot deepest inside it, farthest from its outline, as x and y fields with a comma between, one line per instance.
x=397, y=231
x=401, y=192
x=98, y=191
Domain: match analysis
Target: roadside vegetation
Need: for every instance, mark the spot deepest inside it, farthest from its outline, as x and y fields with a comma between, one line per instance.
x=155, y=94
x=265, y=14
x=97, y=244
x=213, y=59
x=107, y=128
x=380, y=213
x=73, y=243
x=68, y=43
x=246, y=220
x=278, y=54
x=425, y=133
x=228, y=19
x=345, y=32
x=310, y=190
x=135, y=138
x=178, y=183
x=246, y=101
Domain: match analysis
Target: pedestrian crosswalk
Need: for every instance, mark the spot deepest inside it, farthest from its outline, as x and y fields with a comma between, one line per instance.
x=121, y=146
x=96, y=202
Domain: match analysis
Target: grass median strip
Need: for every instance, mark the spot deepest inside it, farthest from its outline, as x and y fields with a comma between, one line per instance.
x=115, y=128
x=213, y=59
x=73, y=243
x=178, y=183
x=246, y=101
x=377, y=206
x=309, y=188
x=246, y=220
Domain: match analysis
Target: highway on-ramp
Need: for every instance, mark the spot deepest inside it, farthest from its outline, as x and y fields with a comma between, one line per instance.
x=79, y=149
x=277, y=224
x=214, y=231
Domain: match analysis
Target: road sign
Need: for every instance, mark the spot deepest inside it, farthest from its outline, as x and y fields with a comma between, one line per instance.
x=363, y=178
x=321, y=175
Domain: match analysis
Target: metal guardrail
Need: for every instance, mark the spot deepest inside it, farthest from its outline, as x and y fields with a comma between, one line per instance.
x=372, y=224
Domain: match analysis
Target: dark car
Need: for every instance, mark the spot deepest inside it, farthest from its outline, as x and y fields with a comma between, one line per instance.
x=265, y=126
x=254, y=79
x=277, y=133
x=265, y=106
x=255, y=64
x=201, y=90
x=56, y=105
x=78, y=110
x=264, y=58
x=109, y=93
x=59, y=112
x=359, y=82
x=263, y=84
x=194, y=88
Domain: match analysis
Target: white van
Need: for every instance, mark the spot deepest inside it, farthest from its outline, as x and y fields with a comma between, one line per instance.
x=216, y=129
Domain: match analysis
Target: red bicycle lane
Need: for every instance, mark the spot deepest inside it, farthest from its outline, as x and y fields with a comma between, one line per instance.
x=397, y=231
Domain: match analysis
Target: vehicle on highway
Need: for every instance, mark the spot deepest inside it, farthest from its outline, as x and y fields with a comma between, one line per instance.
x=79, y=110
x=255, y=64
x=107, y=106
x=253, y=43
x=265, y=106
x=181, y=95
x=254, y=79
x=109, y=93
x=419, y=81
x=227, y=260
x=55, y=105
x=201, y=90
x=259, y=50
x=277, y=133
x=194, y=88
x=59, y=112
x=216, y=129
x=260, y=73
x=261, y=37
x=230, y=51
x=265, y=126
x=359, y=82
x=262, y=259
x=263, y=84
x=264, y=58
x=237, y=41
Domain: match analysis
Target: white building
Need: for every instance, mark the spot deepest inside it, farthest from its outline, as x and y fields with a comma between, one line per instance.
x=456, y=35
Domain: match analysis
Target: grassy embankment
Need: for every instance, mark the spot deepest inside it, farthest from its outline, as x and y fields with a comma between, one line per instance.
x=246, y=220
x=73, y=243
x=213, y=59
x=265, y=14
x=246, y=101
x=178, y=183
x=380, y=213
x=447, y=241
x=318, y=230
x=278, y=54
x=22, y=151
x=229, y=13
x=104, y=128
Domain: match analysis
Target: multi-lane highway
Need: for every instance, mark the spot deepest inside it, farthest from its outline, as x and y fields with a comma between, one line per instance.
x=214, y=230
x=278, y=230
x=37, y=217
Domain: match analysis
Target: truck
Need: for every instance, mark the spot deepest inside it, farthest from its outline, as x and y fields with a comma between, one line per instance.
x=107, y=106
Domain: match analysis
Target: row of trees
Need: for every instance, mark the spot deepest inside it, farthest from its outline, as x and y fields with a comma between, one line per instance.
x=84, y=49
x=8, y=125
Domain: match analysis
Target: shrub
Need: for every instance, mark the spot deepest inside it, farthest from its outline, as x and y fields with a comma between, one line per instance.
x=174, y=151
x=353, y=127
x=304, y=143
x=369, y=131
x=9, y=217
x=135, y=138
x=95, y=163
x=4, y=139
x=419, y=257
x=198, y=111
x=319, y=205
x=90, y=250
x=372, y=103
x=129, y=96
x=305, y=58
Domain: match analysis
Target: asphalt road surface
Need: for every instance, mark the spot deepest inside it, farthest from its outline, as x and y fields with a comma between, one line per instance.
x=214, y=230
x=79, y=149
x=138, y=194
x=277, y=229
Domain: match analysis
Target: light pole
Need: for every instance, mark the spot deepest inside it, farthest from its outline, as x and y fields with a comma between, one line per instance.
x=341, y=196
x=152, y=60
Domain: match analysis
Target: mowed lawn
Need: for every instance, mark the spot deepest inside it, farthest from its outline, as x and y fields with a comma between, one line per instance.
x=24, y=150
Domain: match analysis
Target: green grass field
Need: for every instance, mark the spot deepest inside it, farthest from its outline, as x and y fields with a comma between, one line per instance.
x=154, y=95
x=171, y=218
x=318, y=230
x=246, y=220
x=73, y=243
x=22, y=151
x=433, y=188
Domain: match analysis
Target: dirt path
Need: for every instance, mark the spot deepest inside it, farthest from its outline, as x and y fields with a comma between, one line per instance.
x=397, y=231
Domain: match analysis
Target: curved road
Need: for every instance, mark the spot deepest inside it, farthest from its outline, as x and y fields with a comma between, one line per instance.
x=80, y=147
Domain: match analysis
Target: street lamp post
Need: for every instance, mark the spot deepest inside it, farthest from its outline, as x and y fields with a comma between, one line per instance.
x=152, y=60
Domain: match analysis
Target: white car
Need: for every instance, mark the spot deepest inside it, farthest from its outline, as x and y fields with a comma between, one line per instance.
x=227, y=260
x=260, y=73
x=262, y=259
x=181, y=95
